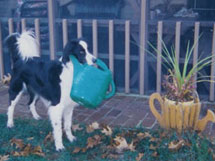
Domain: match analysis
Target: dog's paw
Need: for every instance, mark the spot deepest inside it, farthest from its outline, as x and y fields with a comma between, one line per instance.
x=72, y=138
x=10, y=124
x=36, y=117
x=60, y=148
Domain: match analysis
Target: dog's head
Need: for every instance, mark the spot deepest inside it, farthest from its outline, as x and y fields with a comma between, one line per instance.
x=79, y=49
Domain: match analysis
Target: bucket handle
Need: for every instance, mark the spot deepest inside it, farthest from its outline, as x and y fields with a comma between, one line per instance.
x=112, y=92
x=103, y=66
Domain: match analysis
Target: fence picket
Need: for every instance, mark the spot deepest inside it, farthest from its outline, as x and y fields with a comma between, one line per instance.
x=177, y=39
x=95, y=38
x=37, y=32
x=159, y=48
x=10, y=25
x=65, y=31
x=23, y=24
x=111, y=46
x=1, y=55
x=143, y=41
x=212, y=88
x=127, y=57
x=196, y=47
x=79, y=28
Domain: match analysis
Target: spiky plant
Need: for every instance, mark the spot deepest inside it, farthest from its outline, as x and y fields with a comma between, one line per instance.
x=179, y=84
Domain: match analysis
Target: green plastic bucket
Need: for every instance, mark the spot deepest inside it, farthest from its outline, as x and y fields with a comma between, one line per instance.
x=90, y=84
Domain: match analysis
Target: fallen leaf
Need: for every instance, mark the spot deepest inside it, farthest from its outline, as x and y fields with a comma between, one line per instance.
x=76, y=150
x=131, y=147
x=76, y=127
x=139, y=157
x=120, y=143
x=155, y=154
x=153, y=139
x=92, y=127
x=93, y=141
x=26, y=151
x=152, y=147
x=4, y=157
x=29, y=150
x=84, y=150
x=144, y=135
x=48, y=138
x=18, y=142
x=177, y=145
x=38, y=151
x=107, y=131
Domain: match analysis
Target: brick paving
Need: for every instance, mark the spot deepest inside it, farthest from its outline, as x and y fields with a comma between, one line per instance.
x=120, y=110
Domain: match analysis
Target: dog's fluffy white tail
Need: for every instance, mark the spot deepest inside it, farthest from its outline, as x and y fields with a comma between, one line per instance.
x=27, y=45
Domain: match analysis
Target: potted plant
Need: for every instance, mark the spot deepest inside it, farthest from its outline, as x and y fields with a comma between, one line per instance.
x=180, y=104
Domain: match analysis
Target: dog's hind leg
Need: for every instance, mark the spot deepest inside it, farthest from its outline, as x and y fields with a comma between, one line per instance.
x=31, y=103
x=15, y=93
x=67, y=115
x=55, y=114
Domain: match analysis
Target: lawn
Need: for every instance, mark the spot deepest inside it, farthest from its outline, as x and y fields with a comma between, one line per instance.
x=32, y=140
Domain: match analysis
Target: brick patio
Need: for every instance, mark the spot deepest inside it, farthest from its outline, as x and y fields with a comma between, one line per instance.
x=121, y=110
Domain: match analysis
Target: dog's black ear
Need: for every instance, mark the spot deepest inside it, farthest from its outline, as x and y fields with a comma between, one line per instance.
x=69, y=49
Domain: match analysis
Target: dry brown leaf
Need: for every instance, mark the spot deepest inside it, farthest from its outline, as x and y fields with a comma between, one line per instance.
x=26, y=151
x=107, y=131
x=144, y=135
x=120, y=143
x=76, y=127
x=155, y=154
x=18, y=142
x=153, y=139
x=92, y=127
x=4, y=157
x=84, y=150
x=176, y=145
x=76, y=150
x=38, y=151
x=139, y=157
x=48, y=138
x=152, y=147
x=131, y=147
x=93, y=141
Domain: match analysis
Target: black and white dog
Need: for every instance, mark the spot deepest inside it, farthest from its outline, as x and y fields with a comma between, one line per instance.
x=49, y=81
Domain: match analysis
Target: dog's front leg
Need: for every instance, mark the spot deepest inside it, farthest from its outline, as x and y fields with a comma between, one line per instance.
x=55, y=114
x=67, y=115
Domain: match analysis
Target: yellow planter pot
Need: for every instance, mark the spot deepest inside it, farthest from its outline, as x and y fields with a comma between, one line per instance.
x=181, y=115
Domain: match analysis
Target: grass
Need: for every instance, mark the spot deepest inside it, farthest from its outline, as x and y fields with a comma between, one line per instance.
x=154, y=147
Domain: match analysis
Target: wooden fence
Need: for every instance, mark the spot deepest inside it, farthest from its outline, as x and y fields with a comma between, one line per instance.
x=142, y=29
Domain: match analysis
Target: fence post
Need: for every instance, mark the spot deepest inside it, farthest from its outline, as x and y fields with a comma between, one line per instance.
x=127, y=57
x=10, y=25
x=1, y=55
x=196, y=47
x=65, y=31
x=95, y=38
x=23, y=24
x=51, y=17
x=177, y=40
x=79, y=28
x=37, y=32
x=143, y=42
x=111, y=46
x=211, y=98
x=159, y=60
